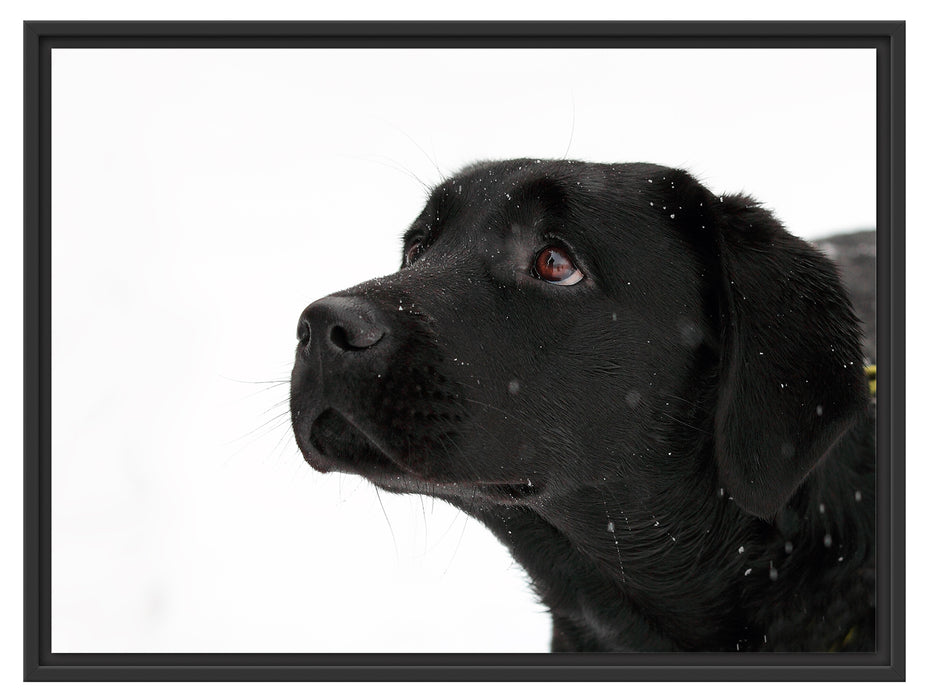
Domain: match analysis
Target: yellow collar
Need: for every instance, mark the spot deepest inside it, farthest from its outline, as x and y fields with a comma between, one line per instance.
x=871, y=376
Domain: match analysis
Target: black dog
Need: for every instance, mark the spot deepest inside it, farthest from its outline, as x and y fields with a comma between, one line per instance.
x=654, y=396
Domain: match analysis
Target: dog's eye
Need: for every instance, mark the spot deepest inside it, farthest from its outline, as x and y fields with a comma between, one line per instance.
x=554, y=265
x=414, y=251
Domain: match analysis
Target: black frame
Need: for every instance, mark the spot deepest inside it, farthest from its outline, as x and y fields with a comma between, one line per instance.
x=888, y=663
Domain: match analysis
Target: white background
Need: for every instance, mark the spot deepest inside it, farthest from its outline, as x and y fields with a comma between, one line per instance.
x=203, y=198
x=408, y=155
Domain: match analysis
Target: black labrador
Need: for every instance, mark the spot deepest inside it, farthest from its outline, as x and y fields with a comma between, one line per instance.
x=654, y=396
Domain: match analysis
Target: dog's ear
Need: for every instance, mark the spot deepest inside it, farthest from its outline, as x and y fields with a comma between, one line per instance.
x=792, y=375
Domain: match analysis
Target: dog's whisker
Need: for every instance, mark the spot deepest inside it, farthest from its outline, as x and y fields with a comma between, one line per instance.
x=278, y=404
x=283, y=425
x=459, y=514
x=423, y=513
x=270, y=386
x=398, y=167
x=286, y=436
x=497, y=409
x=465, y=522
x=278, y=420
x=273, y=382
x=571, y=127
x=394, y=540
x=420, y=148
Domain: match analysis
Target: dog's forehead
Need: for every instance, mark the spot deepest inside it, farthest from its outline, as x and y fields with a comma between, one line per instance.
x=509, y=173
x=510, y=183
x=492, y=194
x=489, y=183
x=501, y=178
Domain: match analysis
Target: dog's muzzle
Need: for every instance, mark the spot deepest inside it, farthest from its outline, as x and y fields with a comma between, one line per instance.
x=341, y=359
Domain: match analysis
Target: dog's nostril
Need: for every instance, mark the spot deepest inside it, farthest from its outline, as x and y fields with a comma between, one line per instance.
x=303, y=331
x=340, y=324
x=359, y=337
x=339, y=339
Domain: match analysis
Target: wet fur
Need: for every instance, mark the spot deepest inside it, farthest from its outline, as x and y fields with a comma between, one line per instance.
x=678, y=449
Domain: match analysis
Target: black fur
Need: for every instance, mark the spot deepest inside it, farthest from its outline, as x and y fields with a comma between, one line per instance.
x=678, y=449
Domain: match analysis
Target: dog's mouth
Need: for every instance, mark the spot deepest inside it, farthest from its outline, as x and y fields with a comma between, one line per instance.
x=340, y=446
x=336, y=444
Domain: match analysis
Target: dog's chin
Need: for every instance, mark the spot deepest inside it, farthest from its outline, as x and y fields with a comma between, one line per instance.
x=334, y=443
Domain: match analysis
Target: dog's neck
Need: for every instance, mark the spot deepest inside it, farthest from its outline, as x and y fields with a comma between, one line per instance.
x=683, y=581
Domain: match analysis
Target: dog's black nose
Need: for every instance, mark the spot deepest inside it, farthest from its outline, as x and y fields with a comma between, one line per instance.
x=344, y=324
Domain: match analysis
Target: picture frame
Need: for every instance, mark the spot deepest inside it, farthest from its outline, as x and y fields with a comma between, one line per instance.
x=42, y=663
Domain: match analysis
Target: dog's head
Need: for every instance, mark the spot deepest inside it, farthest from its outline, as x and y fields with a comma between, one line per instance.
x=558, y=327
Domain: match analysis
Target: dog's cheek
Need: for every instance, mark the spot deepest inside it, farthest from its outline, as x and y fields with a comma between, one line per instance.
x=496, y=356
